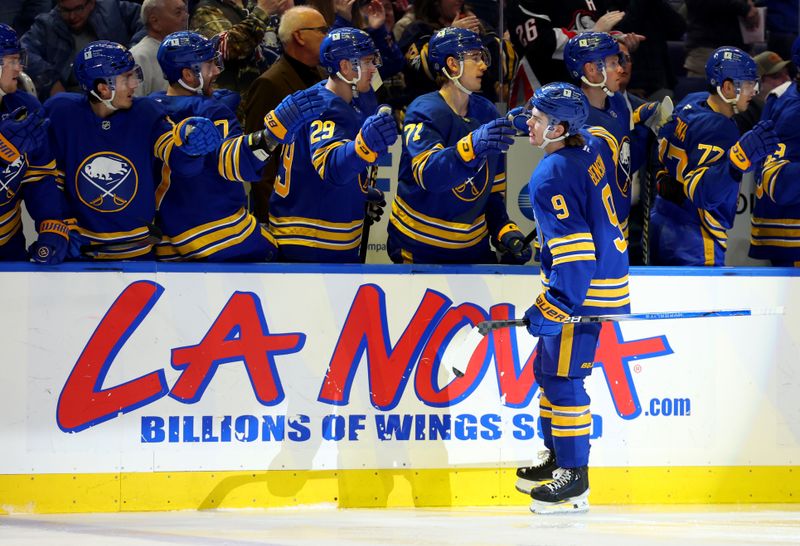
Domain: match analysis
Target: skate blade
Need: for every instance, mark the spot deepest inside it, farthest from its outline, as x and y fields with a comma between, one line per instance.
x=526, y=486
x=575, y=505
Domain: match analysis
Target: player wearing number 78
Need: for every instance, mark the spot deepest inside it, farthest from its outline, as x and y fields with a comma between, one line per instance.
x=584, y=261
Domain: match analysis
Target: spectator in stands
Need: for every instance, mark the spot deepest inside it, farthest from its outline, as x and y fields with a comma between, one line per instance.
x=433, y=15
x=301, y=32
x=248, y=40
x=160, y=17
x=711, y=24
x=56, y=36
x=774, y=74
x=659, y=22
x=371, y=18
x=539, y=34
x=19, y=14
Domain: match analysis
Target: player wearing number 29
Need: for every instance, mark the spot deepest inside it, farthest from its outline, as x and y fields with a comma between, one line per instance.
x=452, y=180
x=703, y=159
x=317, y=209
x=109, y=146
x=584, y=271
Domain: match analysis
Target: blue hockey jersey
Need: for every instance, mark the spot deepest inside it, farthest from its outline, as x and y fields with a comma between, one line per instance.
x=693, y=150
x=31, y=179
x=584, y=254
x=614, y=124
x=204, y=216
x=445, y=210
x=317, y=208
x=109, y=169
x=775, y=230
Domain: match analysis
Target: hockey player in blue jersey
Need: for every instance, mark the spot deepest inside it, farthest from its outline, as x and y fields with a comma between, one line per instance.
x=594, y=59
x=451, y=192
x=703, y=159
x=109, y=148
x=317, y=209
x=775, y=230
x=205, y=216
x=27, y=167
x=584, y=271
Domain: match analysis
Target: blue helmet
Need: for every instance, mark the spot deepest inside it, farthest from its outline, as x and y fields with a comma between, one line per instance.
x=185, y=49
x=730, y=63
x=453, y=42
x=588, y=47
x=345, y=44
x=101, y=60
x=562, y=103
x=9, y=41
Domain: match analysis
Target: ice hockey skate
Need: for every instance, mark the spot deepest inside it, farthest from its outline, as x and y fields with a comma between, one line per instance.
x=568, y=492
x=529, y=477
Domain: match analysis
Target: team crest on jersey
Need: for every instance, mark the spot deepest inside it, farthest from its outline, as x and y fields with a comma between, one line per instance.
x=106, y=182
x=474, y=186
x=11, y=179
x=625, y=165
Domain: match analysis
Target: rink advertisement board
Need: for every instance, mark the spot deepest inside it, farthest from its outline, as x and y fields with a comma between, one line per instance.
x=253, y=368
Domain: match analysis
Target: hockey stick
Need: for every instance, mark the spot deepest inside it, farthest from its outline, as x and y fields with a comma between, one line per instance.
x=372, y=177
x=154, y=236
x=477, y=334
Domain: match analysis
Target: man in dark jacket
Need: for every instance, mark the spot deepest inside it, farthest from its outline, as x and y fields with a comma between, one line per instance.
x=56, y=36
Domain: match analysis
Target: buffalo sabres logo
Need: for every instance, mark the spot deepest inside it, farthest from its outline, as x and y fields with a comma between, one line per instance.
x=11, y=179
x=106, y=182
x=474, y=186
x=625, y=165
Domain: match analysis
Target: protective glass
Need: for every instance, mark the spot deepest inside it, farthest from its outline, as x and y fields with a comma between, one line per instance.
x=612, y=63
x=478, y=56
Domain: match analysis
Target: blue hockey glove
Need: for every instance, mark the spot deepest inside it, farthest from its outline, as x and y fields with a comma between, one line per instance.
x=494, y=136
x=753, y=146
x=546, y=317
x=229, y=98
x=519, y=117
x=293, y=112
x=21, y=132
x=512, y=245
x=52, y=245
x=196, y=136
x=378, y=132
x=375, y=204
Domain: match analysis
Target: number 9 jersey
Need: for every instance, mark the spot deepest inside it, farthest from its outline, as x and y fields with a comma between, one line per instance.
x=584, y=254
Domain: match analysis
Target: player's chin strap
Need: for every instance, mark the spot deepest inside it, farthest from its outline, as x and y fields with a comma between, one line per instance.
x=357, y=64
x=734, y=101
x=456, y=79
x=602, y=84
x=196, y=90
x=106, y=102
x=550, y=128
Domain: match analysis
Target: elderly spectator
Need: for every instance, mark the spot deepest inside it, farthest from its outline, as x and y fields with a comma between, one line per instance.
x=160, y=18
x=56, y=36
x=248, y=39
x=774, y=74
x=301, y=31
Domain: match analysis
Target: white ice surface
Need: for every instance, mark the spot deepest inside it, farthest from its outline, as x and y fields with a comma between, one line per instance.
x=507, y=526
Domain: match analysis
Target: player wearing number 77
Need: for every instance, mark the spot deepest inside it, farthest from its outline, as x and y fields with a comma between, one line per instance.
x=703, y=159
x=584, y=260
